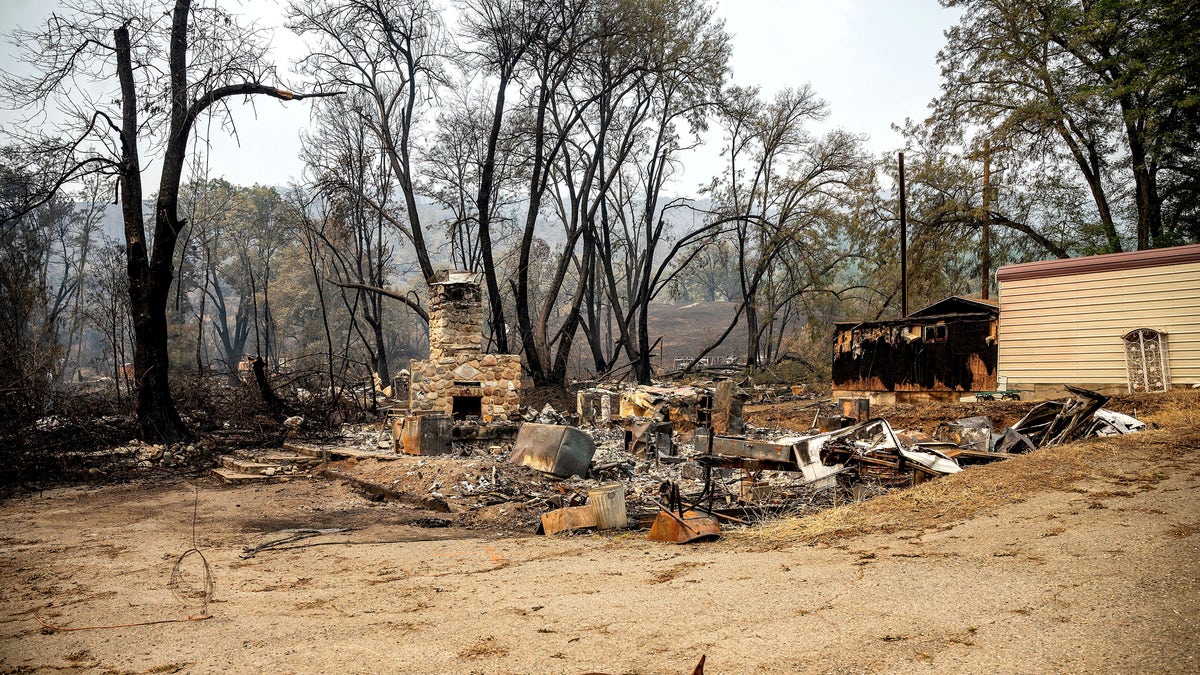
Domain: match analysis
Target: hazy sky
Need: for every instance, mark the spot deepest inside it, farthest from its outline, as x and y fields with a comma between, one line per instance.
x=872, y=60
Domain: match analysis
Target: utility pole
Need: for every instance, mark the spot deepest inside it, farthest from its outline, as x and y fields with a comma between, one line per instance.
x=904, y=246
x=985, y=255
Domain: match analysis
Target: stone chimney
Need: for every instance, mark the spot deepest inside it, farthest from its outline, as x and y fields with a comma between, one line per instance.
x=455, y=314
x=458, y=379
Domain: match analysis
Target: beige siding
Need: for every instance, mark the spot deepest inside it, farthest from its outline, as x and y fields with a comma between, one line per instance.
x=1067, y=329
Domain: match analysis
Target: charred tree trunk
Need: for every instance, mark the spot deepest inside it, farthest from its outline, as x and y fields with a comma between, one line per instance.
x=483, y=205
x=592, y=326
x=752, y=332
x=156, y=414
x=278, y=407
x=150, y=271
x=149, y=284
x=373, y=315
x=644, y=369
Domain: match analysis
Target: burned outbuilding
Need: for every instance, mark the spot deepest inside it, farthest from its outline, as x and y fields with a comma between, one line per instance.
x=940, y=352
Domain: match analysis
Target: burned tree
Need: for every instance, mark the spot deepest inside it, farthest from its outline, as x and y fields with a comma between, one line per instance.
x=388, y=57
x=789, y=192
x=169, y=68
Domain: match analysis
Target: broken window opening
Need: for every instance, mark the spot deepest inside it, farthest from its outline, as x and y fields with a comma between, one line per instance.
x=1146, y=364
x=935, y=333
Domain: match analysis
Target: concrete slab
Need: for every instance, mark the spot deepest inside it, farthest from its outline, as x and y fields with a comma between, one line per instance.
x=335, y=452
x=231, y=477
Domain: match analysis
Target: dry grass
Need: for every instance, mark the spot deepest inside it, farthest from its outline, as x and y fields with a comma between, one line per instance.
x=1137, y=459
x=1185, y=530
x=487, y=647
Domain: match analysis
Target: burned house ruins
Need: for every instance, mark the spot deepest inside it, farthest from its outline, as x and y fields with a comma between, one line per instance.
x=937, y=353
x=458, y=379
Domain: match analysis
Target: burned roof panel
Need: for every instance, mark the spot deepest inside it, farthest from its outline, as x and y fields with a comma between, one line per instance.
x=917, y=320
x=957, y=304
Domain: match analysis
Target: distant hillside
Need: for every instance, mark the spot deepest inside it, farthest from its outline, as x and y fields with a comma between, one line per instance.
x=689, y=328
x=685, y=329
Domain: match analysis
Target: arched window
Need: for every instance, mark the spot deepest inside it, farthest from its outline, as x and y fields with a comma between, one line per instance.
x=1146, y=360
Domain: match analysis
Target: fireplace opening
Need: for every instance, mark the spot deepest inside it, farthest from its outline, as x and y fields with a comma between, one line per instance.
x=467, y=406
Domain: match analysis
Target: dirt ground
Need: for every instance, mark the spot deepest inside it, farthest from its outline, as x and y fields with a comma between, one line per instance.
x=1081, y=558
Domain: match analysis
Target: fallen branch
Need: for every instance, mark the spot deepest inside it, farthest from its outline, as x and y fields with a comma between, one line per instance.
x=296, y=535
x=344, y=543
x=65, y=629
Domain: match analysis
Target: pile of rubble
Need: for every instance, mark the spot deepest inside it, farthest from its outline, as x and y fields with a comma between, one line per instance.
x=724, y=477
x=680, y=461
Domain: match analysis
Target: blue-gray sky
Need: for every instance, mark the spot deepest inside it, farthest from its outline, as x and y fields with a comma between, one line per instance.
x=872, y=60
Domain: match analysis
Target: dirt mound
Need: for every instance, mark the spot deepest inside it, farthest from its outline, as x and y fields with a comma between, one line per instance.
x=481, y=491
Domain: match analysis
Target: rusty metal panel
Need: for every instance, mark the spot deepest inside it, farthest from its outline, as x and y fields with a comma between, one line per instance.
x=427, y=434
x=647, y=439
x=551, y=448
x=742, y=447
x=686, y=527
x=569, y=518
x=726, y=415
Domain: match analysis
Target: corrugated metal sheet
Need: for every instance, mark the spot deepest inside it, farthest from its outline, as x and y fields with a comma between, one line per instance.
x=1067, y=329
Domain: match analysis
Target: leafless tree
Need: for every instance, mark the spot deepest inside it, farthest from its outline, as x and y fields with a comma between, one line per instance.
x=169, y=68
x=356, y=243
x=675, y=54
x=783, y=189
x=388, y=55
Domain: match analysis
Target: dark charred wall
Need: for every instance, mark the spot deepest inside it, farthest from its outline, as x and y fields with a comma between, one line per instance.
x=896, y=356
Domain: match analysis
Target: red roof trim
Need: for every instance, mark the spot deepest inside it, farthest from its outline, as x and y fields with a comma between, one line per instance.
x=1158, y=257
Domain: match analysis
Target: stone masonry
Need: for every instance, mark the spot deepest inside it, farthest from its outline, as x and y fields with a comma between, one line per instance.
x=458, y=379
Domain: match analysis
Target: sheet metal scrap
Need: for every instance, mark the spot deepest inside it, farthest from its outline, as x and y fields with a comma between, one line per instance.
x=1111, y=423
x=874, y=452
x=688, y=408
x=974, y=433
x=798, y=453
x=821, y=455
x=738, y=446
x=1011, y=441
x=1056, y=422
x=595, y=406
x=648, y=438
x=1046, y=424
x=549, y=448
x=649, y=401
x=871, y=450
